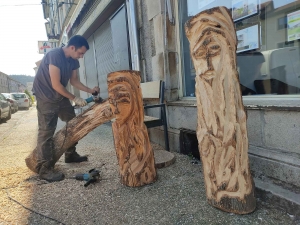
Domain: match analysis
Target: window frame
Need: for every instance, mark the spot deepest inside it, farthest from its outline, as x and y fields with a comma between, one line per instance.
x=252, y=101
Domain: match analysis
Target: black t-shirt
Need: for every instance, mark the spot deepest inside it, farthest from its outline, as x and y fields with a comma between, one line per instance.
x=42, y=87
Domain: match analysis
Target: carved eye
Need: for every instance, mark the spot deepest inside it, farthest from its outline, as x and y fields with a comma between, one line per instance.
x=214, y=49
x=200, y=53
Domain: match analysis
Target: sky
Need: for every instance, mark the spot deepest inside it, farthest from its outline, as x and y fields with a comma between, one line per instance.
x=21, y=27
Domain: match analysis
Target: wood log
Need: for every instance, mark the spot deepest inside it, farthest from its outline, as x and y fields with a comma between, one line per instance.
x=221, y=128
x=132, y=144
x=75, y=130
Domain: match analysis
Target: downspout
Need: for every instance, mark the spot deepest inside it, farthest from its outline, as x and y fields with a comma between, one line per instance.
x=166, y=56
x=133, y=37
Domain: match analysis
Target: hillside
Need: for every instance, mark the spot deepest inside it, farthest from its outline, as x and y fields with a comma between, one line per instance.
x=22, y=78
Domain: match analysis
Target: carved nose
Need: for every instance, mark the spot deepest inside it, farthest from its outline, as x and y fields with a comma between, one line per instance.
x=209, y=64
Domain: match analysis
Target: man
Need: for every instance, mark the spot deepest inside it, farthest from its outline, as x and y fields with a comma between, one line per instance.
x=57, y=68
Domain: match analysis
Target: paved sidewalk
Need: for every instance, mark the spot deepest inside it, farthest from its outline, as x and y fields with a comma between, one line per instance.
x=177, y=197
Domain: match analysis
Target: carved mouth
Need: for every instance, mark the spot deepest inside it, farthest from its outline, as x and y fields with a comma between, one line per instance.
x=208, y=75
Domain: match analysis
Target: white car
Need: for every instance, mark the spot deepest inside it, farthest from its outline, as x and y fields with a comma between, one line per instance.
x=23, y=100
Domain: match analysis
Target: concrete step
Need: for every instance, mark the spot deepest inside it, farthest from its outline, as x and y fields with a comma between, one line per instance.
x=281, y=197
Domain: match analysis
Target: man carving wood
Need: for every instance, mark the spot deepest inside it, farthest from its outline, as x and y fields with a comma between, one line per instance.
x=221, y=131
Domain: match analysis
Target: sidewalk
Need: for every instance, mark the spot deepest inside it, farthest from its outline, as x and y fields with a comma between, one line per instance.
x=177, y=197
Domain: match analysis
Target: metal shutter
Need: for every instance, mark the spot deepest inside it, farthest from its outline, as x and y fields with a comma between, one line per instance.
x=104, y=56
x=90, y=67
x=118, y=24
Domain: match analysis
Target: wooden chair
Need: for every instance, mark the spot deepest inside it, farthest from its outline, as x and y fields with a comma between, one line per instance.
x=155, y=90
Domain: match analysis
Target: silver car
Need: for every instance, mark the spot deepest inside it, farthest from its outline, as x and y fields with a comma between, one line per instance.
x=5, y=110
x=23, y=100
x=13, y=102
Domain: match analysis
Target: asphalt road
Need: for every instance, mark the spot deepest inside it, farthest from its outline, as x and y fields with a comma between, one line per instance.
x=6, y=127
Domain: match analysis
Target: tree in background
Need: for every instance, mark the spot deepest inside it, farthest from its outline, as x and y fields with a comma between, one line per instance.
x=31, y=97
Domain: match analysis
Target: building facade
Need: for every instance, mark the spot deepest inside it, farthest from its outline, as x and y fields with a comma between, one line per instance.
x=148, y=35
x=8, y=85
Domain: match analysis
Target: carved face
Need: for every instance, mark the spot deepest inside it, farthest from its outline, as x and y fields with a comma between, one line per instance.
x=121, y=102
x=206, y=54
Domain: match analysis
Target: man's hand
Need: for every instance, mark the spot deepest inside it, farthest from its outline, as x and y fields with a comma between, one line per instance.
x=96, y=89
x=80, y=101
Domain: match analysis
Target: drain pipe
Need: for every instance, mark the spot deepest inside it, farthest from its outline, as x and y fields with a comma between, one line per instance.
x=166, y=56
x=133, y=37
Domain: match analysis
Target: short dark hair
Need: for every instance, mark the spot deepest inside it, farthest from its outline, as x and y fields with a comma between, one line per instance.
x=78, y=41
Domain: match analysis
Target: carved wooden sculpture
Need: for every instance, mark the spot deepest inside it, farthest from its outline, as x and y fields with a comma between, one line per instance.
x=221, y=131
x=75, y=130
x=134, y=152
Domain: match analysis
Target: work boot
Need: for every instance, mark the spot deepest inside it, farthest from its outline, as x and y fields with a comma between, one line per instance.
x=74, y=157
x=50, y=175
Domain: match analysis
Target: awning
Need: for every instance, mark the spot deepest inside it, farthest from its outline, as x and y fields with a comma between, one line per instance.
x=75, y=14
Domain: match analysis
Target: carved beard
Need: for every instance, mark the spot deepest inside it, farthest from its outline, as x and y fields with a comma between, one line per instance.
x=218, y=132
x=136, y=148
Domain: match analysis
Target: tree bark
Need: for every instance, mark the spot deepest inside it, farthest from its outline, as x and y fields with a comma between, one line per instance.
x=221, y=129
x=133, y=148
x=75, y=130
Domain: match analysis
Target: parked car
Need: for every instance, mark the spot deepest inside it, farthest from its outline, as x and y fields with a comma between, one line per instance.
x=22, y=99
x=5, y=110
x=13, y=102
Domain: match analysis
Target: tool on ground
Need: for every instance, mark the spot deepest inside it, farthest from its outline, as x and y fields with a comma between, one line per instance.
x=92, y=176
x=94, y=98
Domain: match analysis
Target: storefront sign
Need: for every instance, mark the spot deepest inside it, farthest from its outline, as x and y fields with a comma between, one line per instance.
x=44, y=47
x=248, y=38
x=293, y=26
x=243, y=8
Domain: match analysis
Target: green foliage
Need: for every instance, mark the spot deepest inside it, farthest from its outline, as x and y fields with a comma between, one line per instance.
x=31, y=97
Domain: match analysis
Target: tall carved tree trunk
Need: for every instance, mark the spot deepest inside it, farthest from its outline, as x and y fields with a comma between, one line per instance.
x=221, y=130
x=75, y=130
x=134, y=152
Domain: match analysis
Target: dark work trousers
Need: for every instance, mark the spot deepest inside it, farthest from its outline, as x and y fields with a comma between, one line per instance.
x=48, y=114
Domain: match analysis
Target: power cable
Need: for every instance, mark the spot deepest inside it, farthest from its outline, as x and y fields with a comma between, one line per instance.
x=31, y=210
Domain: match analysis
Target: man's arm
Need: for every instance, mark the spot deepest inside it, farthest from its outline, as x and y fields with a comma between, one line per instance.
x=55, y=81
x=76, y=83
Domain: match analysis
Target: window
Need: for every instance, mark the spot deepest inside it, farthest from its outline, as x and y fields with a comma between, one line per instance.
x=268, y=49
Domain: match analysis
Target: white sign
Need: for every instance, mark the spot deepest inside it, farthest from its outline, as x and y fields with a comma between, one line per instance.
x=44, y=47
x=293, y=24
x=248, y=39
x=243, y=8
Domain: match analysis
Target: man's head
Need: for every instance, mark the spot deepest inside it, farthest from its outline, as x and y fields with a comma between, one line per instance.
x=77, y=46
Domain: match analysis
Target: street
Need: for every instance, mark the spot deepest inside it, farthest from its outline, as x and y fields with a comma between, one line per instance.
x=177, y=197
x=7, y=127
